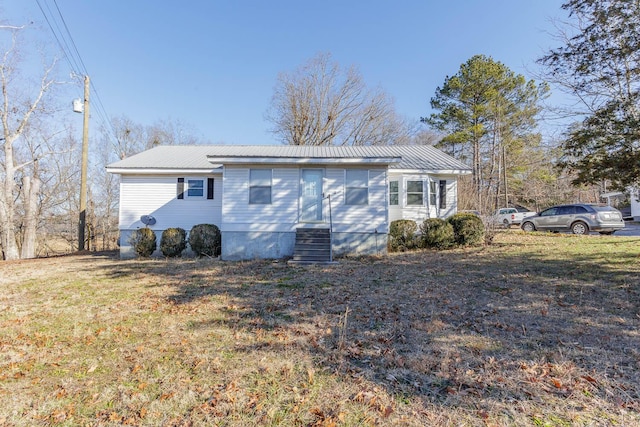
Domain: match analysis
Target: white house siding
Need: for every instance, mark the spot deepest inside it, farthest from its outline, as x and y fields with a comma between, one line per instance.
x=358, y=229
x=259, y=230
x=268, y=231
x=281, y=215
x=156, y=196
x=420, y=213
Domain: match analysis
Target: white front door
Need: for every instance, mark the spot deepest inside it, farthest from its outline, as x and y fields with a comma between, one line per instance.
x=311, y=195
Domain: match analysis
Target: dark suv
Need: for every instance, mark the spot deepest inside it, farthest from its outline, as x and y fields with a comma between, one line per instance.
x=577, y=218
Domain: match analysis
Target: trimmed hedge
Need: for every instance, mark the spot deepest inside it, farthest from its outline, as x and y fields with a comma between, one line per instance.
x=143, y=241
x=402, y=235
x=205, y=239
x=437, y=233
x=467, y=228
x=173, y=242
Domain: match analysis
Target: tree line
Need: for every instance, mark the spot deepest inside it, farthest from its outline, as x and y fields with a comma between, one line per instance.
x=484, y=114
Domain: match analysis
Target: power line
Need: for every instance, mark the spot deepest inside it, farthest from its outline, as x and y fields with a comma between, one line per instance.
x=75, y=48
x=55, y=35
x=74, y=59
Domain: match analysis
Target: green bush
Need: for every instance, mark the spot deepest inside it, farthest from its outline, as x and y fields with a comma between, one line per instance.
x=467, y=228
x=205, y=239
x=402, y=235
x=143, y=241
x=437, y=233
x=173, y=242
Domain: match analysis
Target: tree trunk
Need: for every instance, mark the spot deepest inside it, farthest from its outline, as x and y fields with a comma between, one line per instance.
x=31, y=187
x=7, y=204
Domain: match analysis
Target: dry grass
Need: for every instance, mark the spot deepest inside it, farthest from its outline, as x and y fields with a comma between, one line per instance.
x=534, y=330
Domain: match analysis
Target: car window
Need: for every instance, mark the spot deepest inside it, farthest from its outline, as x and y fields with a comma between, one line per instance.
x=566, y=210
x=581, y=210
x=549, y=212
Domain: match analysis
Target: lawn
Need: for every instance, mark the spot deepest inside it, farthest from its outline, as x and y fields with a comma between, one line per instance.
x=536, y=329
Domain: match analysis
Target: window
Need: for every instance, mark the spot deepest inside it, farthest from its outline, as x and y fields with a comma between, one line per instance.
x=443, y=193
x=260, y=186
x=415, y=193
x=357, y=187
x=193, y=188
x=432, y=193
x=393, y=192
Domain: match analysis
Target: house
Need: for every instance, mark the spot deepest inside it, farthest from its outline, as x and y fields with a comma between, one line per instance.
x=260, y=196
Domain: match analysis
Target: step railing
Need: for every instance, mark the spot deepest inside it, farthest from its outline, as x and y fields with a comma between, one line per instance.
x=328, y=197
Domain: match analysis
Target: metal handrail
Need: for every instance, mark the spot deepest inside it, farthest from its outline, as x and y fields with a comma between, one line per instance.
x=328, y=196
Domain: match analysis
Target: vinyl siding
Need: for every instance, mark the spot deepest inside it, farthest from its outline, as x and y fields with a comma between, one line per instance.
x=359, y=218
x=156, y=196
x=280, y=215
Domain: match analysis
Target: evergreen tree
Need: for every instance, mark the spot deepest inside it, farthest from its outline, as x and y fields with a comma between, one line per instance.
x=488, y=115
x=600, y=65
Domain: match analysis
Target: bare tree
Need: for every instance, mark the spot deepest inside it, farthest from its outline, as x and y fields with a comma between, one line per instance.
x=122, y=138
x=321, y=103
x=19, y=168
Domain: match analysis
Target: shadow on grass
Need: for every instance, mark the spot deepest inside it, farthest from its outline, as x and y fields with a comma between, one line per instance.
x=445, y=327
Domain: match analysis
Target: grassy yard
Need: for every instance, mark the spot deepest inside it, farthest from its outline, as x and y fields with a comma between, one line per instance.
x=540, y=330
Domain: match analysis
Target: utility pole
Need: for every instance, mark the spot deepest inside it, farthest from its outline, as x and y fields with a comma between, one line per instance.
x=82, y=224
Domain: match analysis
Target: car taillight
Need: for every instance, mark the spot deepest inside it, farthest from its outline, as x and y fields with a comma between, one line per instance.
x=513, y=216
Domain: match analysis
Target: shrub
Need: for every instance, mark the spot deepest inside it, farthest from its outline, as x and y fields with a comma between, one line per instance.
x=402, y=235
x=467, y=228
x=205, y=239
x=437, y=233
x=143, y=241
x=173, y=242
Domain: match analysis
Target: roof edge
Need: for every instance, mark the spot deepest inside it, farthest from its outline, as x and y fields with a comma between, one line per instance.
x=302, y=160
x=160, y=171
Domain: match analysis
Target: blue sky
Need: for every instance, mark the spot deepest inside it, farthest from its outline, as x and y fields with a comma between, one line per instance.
x=213, y=64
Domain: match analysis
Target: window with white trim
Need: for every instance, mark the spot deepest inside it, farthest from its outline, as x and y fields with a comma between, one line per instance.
x=415, y=193
x=356, y=189
x=394, y=200
x=260, y=182
x=432, y=193
x=442, y=193
x=195, y=187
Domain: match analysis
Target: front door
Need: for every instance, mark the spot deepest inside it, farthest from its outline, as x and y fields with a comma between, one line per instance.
x=311, y=197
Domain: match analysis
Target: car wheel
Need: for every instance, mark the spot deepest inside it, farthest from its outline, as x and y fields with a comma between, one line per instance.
x=528, y=226
x=506, y=223
x=579, y=227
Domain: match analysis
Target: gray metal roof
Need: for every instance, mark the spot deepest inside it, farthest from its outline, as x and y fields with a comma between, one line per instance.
x=206, y=157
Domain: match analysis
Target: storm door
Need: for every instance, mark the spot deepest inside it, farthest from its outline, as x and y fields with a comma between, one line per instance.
x=311, y=195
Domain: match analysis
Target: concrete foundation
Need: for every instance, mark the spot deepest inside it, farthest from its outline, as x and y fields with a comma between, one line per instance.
x=238, y=246
x=359, y=244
